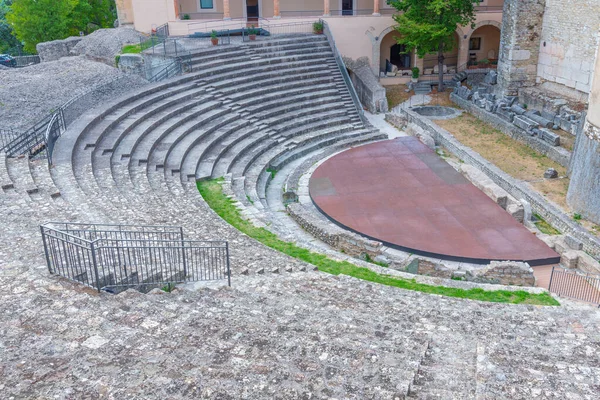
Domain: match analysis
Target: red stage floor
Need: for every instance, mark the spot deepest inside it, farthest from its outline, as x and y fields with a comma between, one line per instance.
x=401, y=193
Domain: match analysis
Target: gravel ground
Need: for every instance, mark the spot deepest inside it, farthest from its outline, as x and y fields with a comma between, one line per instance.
x=104, y=44
x=28, y=94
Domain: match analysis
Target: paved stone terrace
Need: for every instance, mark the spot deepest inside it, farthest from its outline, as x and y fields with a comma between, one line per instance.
x=288, y=337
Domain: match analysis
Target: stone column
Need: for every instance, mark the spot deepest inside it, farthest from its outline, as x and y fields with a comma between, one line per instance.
x=226, y=12
x=276, y=12
x=176, y=4
x=519, y=45
x=326, y=11
x=584, y=188
x=376, y=8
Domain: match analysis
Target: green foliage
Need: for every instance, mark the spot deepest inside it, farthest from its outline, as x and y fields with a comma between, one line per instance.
x=36, y=21
x=138, y=48
x=117, y=59
x=544, y=226
x=212, y=193
x=318, y=27
x=8, y=42
x=415, y=72
x=252, y=30
x=186, y=17
x=428, y=26
x=577, y=217
x=169, y=287
x=214, y=35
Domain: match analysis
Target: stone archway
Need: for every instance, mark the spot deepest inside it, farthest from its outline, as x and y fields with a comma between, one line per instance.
x=483, y=42
x=376, y=47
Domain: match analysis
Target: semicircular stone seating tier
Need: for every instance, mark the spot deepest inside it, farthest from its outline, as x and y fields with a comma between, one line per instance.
x=241, y=110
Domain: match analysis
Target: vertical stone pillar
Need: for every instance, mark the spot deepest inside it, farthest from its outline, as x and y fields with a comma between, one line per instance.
x=519, y=45
x=463, y=51
x=326, y=10
x=276, y=12
x=376, y=12
x=226, y=11
x=584, y=188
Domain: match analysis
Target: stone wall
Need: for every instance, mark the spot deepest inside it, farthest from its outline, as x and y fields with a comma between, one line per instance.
x=504, y=273
x=569, y=41
x=556, y=153
x=56, y=49
x=370, y=92
x=345, y=241
x=519, y=190
x=519, y=45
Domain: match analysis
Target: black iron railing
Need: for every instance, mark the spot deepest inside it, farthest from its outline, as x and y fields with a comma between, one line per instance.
x=115, y=258
x=575, y=285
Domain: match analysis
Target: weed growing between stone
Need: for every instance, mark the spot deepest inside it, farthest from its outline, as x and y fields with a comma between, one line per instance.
x=212, y=193
x=544, y=226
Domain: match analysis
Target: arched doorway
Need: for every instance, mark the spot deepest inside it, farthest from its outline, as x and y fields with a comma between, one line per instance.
x=484, y=45
x=392, y=53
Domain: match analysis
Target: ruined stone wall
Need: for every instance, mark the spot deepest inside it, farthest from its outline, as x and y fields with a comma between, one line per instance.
x=349, y=243
x=568, y=42
x=519, y=44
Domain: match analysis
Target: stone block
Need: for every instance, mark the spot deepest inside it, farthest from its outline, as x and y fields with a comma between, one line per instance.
x=429, y=268
x=504, y=273
x=527, y=212
x=491, y=78
x=551, y=173
x=505, y=114
x=517, y=109
x=535, y=116
x=587, y=263
x=573, y=243
x=569, y=259
x=516, y=211
x=524, y=123
x=549, y=137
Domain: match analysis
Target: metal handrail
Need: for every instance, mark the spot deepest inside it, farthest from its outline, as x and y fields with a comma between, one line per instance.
x=116, y=263
x=575, y=285
x=344, y=72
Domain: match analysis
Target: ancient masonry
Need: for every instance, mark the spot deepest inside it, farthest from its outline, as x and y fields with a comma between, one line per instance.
x=519, y=44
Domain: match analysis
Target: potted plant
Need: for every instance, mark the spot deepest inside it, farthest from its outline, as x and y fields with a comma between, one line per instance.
x=318, y=27
x=485, y=63
x=252, y=32
x=186, y=17
x=214, y=38
x=415, y=74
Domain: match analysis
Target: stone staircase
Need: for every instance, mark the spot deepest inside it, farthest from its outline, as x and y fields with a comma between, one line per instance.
x=242, y=110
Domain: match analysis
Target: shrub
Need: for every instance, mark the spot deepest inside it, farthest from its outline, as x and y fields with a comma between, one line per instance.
x=214, y=35
x=186, y=16
x=318, y=27
x=415, y=72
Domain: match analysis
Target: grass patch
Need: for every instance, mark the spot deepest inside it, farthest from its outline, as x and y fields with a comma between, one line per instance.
x=212, y=193
x=544, y=226
x=396, y=95
x=138, y=48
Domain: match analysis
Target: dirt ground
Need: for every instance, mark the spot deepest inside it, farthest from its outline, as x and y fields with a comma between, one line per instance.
x=514, y=158
x=396, y=95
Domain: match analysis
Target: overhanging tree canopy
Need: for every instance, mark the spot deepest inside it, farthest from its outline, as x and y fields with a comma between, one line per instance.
x=35, y=21
x=428, y=26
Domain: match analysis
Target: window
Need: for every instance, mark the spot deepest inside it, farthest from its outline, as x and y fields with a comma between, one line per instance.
x=475, y=43
x=206, y=4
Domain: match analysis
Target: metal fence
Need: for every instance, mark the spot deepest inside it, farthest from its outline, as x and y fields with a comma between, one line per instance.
x=115, y=258
x=24, y=61
x=344, y=72
x=35, y=140
x=7, y=136
x=575, y=285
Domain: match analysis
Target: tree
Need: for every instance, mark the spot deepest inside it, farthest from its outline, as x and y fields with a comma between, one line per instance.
x=8, y=42
x=36, y=21
x=428, y=26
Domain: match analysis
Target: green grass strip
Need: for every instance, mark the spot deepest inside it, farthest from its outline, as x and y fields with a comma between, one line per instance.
x=138, y=48
x=212, y=193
